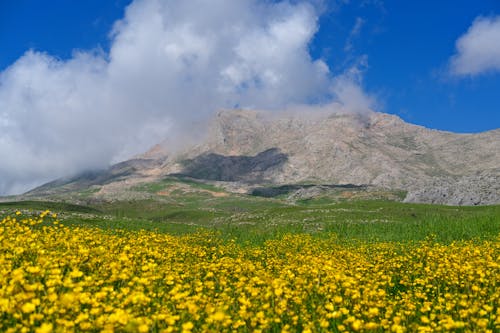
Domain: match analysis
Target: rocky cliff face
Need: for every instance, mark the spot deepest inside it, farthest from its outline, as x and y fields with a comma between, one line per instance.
x=478, y=189
x=328, y=147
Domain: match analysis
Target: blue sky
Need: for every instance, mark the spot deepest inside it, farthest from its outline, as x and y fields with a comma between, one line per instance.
x=72, y=72
x=407, y=44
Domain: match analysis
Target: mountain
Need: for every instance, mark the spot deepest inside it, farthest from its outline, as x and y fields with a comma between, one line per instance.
x=245, y=151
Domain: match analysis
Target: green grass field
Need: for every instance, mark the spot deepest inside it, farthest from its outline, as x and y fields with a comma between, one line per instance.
x=250, y=219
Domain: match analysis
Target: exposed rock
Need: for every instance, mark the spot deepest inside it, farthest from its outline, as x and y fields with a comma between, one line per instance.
x=481, y=189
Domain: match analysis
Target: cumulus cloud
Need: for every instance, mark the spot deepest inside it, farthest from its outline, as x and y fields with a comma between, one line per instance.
x=478, y=50
x=170, y=63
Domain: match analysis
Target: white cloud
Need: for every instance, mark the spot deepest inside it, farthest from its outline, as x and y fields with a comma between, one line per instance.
x=171, y=63
x=348, y=91
x=478, y=50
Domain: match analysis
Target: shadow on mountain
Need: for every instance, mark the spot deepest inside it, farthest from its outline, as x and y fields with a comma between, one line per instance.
x=251, y=169
x=274, y=191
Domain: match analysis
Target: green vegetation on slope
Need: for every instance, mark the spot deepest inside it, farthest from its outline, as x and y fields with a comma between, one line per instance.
x=169, y=181
x=253, y=219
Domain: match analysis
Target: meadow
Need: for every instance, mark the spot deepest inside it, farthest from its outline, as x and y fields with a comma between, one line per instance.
x=249, y=265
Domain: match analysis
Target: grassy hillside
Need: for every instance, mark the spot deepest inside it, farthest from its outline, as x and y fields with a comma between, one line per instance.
x=193, y=206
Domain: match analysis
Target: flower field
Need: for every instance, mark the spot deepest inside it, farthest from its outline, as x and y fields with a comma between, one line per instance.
x=56, y=278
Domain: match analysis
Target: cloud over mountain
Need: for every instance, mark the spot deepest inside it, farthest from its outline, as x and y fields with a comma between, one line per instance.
x=170, y=63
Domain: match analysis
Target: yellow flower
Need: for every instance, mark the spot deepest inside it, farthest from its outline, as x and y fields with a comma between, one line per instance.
x=218, y=316
x=143, y=328
x=44, y=328
x=187, y=326
x=373, y=312
x=357, y=325
x=371, y=325
x=137, y=281
x=28, y=307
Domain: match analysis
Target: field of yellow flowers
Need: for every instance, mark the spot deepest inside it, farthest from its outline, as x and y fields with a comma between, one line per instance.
x=57, y=279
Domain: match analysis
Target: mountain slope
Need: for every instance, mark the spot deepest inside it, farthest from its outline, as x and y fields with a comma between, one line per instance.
x=249, y=148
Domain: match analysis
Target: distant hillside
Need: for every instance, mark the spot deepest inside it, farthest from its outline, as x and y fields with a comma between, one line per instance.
x=248, y=149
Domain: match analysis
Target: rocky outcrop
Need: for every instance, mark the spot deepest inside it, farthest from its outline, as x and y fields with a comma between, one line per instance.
x=480, y=189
